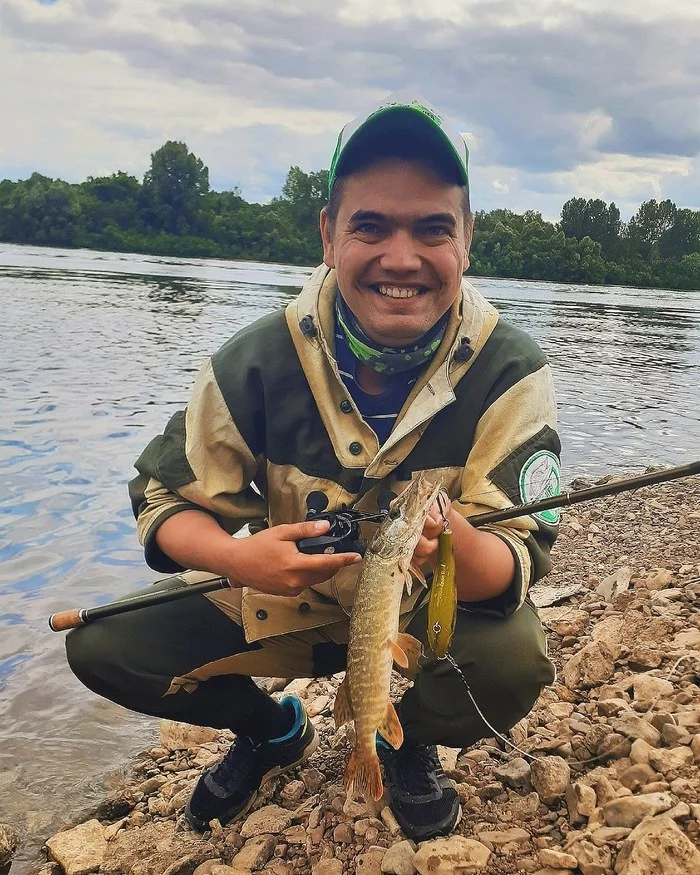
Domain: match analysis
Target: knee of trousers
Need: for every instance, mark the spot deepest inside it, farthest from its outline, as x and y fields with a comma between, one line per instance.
x=82, y=649
x=506, y=666
x=92, y=654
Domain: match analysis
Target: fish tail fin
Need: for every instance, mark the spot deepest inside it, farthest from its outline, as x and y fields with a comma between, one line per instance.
x=363, y=775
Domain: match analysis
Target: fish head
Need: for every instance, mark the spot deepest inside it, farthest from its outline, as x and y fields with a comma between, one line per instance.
x=401, y=529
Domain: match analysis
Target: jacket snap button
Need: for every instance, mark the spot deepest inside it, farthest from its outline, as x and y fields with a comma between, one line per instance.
x=345, y=406
x=304, y=608
x=261, y=614
x=355, y=448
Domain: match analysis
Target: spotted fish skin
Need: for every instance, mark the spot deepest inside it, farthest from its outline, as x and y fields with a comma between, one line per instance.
x=375, y=642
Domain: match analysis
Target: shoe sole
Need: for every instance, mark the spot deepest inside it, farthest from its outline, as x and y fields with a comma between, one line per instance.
x=427, y=834
x=199, y=826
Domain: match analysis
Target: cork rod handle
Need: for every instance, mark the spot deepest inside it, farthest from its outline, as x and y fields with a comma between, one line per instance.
x=64, y=620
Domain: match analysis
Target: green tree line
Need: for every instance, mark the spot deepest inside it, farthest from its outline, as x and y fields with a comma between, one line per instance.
x=173, y=211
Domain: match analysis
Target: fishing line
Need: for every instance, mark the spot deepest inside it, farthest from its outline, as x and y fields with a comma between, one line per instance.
x=448, y=656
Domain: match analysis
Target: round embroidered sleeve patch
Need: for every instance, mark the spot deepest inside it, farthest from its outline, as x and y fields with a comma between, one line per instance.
x=540, y=478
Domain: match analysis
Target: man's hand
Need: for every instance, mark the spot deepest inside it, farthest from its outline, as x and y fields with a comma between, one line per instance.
x=269, y=561
x=425, y=554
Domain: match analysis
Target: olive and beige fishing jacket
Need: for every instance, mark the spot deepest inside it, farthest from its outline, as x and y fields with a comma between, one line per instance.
x=269, y=421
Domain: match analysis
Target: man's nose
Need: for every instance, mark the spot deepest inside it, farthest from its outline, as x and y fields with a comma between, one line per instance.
x=400, y=253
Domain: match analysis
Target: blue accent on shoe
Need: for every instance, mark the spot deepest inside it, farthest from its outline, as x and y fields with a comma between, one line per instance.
x=381, y=744
x=291, y=702
x=228, y=789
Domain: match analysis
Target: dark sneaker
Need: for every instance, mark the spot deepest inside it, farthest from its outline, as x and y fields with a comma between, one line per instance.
x=227, y=790
x=424, y=800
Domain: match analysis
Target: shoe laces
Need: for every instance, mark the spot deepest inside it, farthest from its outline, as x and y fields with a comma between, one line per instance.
x=237, y=765
x=418, y=764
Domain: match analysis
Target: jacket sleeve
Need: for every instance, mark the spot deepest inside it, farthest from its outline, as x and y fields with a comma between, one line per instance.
x=515, y=458
x=200, y=462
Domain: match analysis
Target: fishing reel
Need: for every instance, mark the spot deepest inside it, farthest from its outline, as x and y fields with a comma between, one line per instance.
x=343, y=536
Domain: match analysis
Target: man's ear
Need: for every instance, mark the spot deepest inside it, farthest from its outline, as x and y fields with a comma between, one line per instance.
x=468, y=236
x=327, y=230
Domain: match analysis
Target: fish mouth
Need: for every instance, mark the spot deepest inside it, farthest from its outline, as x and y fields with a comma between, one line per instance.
x=402, y=527
x=415, y=500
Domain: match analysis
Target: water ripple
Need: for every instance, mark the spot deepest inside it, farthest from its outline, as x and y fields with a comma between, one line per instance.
x=99, y=349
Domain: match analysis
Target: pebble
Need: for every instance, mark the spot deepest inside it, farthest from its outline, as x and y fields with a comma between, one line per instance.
x=623, y=705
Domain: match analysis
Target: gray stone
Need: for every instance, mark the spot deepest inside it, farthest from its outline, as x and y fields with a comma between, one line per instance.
x=370, y=862
x=557, y=859
x=649, y=689
x=636, y=728
x=592, y=665
x=631, y=810
x=327, y=867
x=119, y=804
x=637, y=776
x=580, y=801
x=667, y=760
x=500, y=837
x=657, y=846
x=181, y=736
x=255, y=852
x=550, y=778
x=591, y=859
x=398, y=860
x=155, y=847
x=9, y=840
x=450, y=855
x=79, y=850
x=271, y=819
x=206, y=867
x=515, y=773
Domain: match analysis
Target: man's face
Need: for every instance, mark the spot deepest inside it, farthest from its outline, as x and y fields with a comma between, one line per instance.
x=399, y=246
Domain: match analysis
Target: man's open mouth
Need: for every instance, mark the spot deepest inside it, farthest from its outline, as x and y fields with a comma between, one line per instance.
x=398, y=291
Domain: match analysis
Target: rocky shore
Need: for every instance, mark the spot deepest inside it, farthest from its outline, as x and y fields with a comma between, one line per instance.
x=605, y=776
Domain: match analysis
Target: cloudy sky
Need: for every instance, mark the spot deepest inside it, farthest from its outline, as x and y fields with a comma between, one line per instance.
x=592, y=98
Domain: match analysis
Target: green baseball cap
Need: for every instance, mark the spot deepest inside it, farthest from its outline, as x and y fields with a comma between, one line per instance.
x=401, y=114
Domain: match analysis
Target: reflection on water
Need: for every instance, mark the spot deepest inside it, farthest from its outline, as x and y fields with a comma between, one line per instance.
x=98, y=349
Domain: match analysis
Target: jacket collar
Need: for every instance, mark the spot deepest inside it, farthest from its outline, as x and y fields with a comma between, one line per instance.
x=310, y=319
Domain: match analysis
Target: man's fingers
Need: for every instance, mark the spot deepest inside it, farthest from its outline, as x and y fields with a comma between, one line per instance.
x=331, y=561
x=308, y=529
x=425, y=547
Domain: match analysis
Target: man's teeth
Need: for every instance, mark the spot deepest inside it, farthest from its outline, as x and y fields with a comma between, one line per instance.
x=398, y=291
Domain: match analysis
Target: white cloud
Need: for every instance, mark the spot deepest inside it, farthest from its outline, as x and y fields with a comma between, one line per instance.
x=560, y=97
x=622, y=177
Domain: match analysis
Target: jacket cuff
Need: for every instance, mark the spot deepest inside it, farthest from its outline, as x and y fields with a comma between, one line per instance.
x=523, y=563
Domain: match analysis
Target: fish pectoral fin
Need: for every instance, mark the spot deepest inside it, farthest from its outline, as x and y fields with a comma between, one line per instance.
x=411, y=648
x=342, y=709
x=398, y=654
x=417, y=572
x=390, y=729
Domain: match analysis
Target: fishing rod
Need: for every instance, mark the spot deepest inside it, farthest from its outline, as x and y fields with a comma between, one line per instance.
x=70, y=619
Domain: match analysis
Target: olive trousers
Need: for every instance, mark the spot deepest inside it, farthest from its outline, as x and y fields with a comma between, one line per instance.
x=188, y=661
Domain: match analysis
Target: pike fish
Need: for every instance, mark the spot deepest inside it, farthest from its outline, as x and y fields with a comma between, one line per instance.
x=375, y=641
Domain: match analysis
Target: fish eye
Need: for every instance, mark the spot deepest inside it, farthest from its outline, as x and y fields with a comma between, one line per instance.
x=394, y=513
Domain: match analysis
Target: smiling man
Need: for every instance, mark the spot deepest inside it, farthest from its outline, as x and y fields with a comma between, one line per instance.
x=387, y=364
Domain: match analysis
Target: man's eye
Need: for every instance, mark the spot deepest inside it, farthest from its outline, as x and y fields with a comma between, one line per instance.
x=367, y=228
x=436, y=231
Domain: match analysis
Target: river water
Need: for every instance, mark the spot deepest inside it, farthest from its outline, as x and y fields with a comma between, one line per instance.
x=98, y=349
